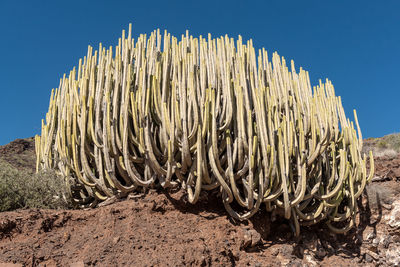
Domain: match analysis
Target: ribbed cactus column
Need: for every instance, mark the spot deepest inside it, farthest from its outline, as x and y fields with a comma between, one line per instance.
x=205, y=114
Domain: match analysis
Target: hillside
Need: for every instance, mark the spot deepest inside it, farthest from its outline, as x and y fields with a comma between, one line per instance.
x=162, y=229
x=20, y=153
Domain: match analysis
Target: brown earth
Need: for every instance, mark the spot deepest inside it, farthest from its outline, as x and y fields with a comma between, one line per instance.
x=162, y=229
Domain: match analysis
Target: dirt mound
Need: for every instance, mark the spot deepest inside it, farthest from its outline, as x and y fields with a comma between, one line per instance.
x=163, y=229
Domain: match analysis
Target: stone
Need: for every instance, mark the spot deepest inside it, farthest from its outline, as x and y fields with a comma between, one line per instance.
x=310, y=261
x=385, y=241
x=394, y=216
x=369, y=235
x=373, y=255
x=246, y=240
x=274, y=251
x=286, y=250
x=375, y=242
x=368, y=258
x=250, y=238
x=255, y=238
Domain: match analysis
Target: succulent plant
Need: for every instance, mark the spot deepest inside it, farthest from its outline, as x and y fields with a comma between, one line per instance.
x=205, y=114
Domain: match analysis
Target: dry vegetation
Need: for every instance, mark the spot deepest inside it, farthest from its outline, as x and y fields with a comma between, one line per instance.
x=388, y=145
x=21, y=189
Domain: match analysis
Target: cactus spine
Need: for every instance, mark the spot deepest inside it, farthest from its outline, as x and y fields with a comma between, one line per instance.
x=205, y=114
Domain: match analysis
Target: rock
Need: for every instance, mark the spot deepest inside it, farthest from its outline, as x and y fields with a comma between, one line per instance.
x=375, y=242
x=286, y=251
x=310, y=261
x=255, y=238
x=246, y=240
x=368, y=258
x=385, y=241
x=373, y=255
x=250, y=238
x=394, y=216
x=274, y=251
x=369, y=235
x=393, y=256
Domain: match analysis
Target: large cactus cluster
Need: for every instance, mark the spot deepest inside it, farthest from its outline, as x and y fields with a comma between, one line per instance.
x=205, y=114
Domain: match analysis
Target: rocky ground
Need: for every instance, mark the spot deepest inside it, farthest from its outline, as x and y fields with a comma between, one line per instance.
x=161, y=229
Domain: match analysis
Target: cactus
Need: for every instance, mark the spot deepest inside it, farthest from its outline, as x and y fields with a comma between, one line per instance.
x=205, y=114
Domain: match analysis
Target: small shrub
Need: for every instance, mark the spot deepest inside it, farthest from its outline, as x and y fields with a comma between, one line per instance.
x=382, y=144
x=393, y=141
x=388, y=153
x=21, y=189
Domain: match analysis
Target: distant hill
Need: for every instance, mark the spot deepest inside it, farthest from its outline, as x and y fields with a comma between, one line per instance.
x=388, y=145
x=20, y=153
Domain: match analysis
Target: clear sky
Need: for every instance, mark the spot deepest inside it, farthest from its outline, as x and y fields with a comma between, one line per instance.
x=356, y=44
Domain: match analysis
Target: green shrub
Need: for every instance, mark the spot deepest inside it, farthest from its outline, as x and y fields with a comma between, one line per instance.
x=21, y=189
x=382, y=144
x=393, y=141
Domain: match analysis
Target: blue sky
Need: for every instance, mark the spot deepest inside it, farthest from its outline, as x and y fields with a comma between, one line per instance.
x=356, y=44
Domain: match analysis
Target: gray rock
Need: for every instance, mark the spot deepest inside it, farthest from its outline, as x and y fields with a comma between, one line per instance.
x=368, y=258
x=373, y=255
x=369, y=235
x=385, y=241
x=375, y=242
